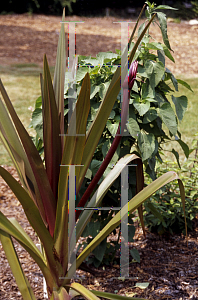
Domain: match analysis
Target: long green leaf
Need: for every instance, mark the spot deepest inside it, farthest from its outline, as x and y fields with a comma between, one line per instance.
x=13, y=228
x=59, y=76
x=72, y=155
x=17, y=271
x=29, y=207
x=51, y=131
x=15, y=149
x=35, y=162
x=102, y=190
x=113, y=296
x=83, y=291
x=134, y=203
x=139, y=187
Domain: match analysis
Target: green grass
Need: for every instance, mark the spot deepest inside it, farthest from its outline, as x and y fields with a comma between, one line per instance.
x=23, y=86
x=188, y=127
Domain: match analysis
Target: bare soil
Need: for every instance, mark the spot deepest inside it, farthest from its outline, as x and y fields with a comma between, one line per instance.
x=25, y=39
x=170, y=267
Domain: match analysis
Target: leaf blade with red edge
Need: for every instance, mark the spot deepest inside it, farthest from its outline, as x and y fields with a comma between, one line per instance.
x=51, y=131
x=35, y=162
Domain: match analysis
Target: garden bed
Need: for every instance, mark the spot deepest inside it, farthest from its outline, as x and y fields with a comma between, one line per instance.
x=167, y=264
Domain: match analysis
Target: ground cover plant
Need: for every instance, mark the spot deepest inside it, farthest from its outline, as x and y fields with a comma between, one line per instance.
x=152, y=122
x=44, y=190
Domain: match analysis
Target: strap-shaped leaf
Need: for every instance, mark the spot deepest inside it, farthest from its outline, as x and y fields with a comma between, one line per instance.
x=113, y=296
x=17, y=271
x=35, y=162
x=59, y=76
x=133, y=204
x=72, y=155
x=60, y=294
x=51, y=130
x=13, y=228
x=83, y=291
x=102, y=190
x=29, y=207
x=15, y=149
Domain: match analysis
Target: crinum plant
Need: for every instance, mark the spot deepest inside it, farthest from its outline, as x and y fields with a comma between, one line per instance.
x=47, y=189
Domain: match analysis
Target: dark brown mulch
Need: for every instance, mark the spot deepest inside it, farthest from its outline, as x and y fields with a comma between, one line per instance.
x=167, y=264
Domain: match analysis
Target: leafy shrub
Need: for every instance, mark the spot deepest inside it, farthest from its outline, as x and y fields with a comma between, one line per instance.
x=150, y=110
x=163, y=211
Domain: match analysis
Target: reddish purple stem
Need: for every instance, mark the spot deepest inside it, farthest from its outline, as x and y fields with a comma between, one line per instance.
x=127, y=86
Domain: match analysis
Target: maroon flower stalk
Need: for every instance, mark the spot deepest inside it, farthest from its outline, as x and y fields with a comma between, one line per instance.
x=127, y=86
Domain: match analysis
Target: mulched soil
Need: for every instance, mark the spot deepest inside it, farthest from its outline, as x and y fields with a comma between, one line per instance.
x=170, y=267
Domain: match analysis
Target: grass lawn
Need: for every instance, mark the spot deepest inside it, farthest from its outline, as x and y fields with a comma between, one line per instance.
x=23, y=86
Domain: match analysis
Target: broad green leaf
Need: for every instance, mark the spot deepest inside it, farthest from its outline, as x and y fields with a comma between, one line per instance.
x=21, y=280
x=168, y=117
x=112, y=127
x=92, y=229
x=92, y=61
x=142, y=106
x=167, y=53
x=37, y=121
x=165, y=7
x=156, y=71
x=142, y=71
x=95, y=165
x=100, y=250
x=132, y=124
x=107, y=56
x=176, y=154
x=184, y=147
x=154, y=211
x=154, y=46
x=150, y=115
x=133, y=204
x=135, y=255
x=113, y=296
x=142, y=285
x=163, y=26
x=81, y=72
x=103, y=113
x=148, y=90
x=184, y=83
x=181, y=104
x=146, y=144
x=103, y=89
x=161, y=56
x=94, y=91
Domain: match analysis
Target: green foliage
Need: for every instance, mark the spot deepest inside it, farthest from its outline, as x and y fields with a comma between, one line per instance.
x=150, y=112
x=195, y=7
x=37, y=6
x=163, y=211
